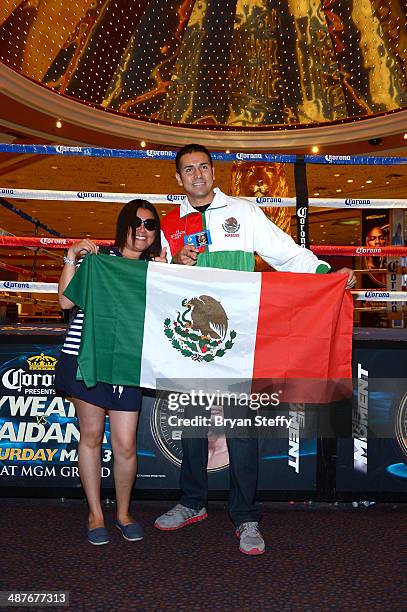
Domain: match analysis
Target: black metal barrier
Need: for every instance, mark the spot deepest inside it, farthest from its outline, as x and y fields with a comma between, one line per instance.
x=361, y=455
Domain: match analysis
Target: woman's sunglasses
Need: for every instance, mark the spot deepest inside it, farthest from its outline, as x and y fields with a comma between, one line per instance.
x=149, y=224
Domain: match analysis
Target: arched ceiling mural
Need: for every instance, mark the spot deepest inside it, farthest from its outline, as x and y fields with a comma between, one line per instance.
x=272, y=75
x=270, y=64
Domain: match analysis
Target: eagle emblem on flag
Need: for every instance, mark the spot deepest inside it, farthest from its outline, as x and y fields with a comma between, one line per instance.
x=200, y=331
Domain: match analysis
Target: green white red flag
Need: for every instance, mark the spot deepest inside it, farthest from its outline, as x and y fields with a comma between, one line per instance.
x=149, y=322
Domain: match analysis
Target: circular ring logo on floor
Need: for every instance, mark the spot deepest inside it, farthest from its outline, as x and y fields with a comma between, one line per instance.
x=168, y=436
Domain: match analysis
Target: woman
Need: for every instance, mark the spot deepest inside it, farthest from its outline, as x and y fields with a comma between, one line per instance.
x=137, y=237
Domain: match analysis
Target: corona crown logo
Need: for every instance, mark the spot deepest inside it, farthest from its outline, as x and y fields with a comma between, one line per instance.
x=41, y=362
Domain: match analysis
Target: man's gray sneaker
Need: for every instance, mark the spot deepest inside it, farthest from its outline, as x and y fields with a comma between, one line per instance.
x=251, y=540
x=178, y=517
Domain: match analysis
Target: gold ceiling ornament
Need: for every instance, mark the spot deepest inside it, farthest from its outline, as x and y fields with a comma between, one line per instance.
x=260, y=180
x=234, y=65
x=320, y=91
x=385, y=80
x=9, y=7
x=255, y=71
x=39, y=45
x=183, y=91
x=124, y=131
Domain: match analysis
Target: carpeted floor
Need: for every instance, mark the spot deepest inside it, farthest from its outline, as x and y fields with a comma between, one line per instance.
x=319, y=558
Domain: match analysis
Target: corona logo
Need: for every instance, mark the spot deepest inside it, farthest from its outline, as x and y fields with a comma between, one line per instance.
x=15, y=285
x=154, y=153
x=377, y=294
x=64, y=149
x=53, y=241
x=333, y=158
x=368, y=251
x=41, y=362
x=351, y=202
x=175, y=198
x=261, y=200
x=89, y=194
x=249, y=156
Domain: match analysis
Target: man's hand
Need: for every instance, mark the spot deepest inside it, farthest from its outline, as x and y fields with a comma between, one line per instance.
x=351, y=277
x=187, y=256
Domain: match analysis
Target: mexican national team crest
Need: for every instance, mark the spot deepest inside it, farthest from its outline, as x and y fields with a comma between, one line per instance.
x=200, y=331
x=231, y=225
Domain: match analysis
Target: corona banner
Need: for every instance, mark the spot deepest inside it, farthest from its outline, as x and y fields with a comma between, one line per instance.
x=39, y=435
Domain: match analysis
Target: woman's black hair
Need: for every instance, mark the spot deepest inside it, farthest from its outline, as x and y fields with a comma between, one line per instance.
x=127, y=220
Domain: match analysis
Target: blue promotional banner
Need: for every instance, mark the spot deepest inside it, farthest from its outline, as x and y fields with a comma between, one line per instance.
x=38, y=430
x=39, y=436
x=68, y=150
x=136, y=153
x=355, y=160
x=374, y=457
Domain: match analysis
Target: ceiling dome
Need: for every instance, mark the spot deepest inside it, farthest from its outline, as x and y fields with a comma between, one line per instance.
x=231, y=65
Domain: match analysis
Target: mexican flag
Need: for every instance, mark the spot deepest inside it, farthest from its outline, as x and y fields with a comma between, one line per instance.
x=165, y=326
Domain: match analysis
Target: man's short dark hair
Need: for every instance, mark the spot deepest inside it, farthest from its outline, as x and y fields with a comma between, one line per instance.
x=191, y=148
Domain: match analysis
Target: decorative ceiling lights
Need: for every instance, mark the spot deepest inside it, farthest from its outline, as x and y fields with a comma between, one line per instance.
x=237, y=64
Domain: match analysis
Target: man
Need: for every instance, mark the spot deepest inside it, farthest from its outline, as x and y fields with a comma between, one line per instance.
x=234, y=230
x=375, y=239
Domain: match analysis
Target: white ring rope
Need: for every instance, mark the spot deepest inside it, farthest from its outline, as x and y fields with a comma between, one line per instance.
x=170, y=199
x=372, y=295
x=28, y=287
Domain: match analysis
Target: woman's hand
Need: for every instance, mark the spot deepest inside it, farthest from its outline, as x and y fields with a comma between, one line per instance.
x=68, y=271
x=81, y=248
x=163, y=256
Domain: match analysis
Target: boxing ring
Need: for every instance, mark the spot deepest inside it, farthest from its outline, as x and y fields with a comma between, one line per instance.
x=38, y=430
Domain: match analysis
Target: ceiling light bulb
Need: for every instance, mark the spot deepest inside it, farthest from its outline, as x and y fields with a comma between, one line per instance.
x=315, y=149
x=58, y=123
x=143, y=144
